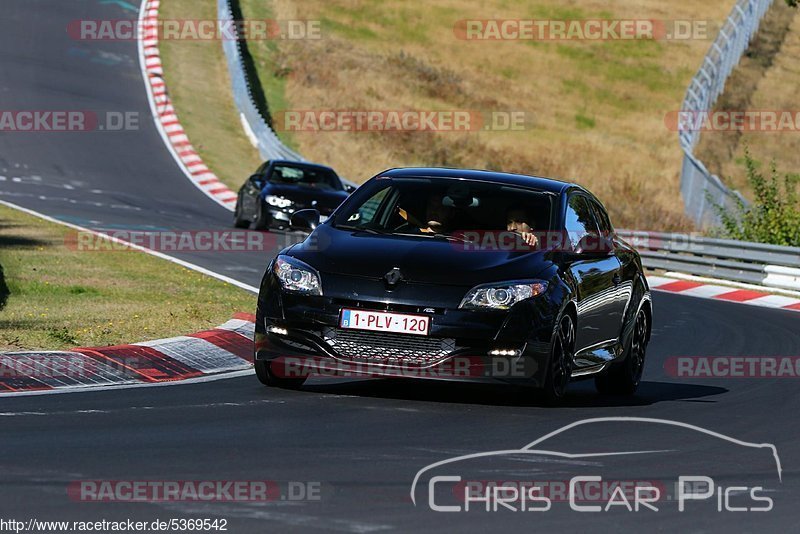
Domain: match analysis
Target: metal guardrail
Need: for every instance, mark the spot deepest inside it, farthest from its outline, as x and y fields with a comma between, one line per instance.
x=698, y=185
x=255, y=125
x=726, y=259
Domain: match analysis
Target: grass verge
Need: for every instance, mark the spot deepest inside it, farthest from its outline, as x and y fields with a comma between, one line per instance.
x=199, y=85
x=60, y=298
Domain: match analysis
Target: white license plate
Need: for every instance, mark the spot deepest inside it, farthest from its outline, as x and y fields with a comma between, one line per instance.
x=398, y=323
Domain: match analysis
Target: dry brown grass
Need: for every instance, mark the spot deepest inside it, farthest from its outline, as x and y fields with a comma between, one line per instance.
x=598, y=108
x=767, y=78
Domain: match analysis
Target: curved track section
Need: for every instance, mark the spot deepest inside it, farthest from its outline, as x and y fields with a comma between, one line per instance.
x=362, y=442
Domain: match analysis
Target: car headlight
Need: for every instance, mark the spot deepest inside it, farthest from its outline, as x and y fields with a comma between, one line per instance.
x=278, y=202
x=501, y=296
x=296, y=276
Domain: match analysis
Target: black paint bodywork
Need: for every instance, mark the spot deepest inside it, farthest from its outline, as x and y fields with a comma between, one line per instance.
x=252, y=194
x=602, y=292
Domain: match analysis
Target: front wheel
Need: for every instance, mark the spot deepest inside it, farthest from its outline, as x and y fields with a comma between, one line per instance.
x=559, y=370
x=623, y=378
x=263, y=217
x=238, y=220
x=268, y=377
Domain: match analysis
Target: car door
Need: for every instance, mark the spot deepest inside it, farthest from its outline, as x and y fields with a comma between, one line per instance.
x=593, y=270
x=251, y=191
x=624, y=278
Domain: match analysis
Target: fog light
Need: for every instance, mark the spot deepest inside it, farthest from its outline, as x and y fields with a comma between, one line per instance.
x=504, y=352
x=278, y=330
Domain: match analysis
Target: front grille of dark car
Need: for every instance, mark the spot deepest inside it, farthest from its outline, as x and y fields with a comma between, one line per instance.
x=388, y=349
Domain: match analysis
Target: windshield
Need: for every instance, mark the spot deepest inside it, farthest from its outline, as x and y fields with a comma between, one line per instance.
x=444, y=207
x=305, y=176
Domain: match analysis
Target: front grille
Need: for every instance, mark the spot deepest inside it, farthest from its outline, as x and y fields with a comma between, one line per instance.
x=388, y=349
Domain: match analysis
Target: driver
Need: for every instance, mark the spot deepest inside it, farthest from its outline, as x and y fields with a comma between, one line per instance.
x=517, y=221
x=437, y=216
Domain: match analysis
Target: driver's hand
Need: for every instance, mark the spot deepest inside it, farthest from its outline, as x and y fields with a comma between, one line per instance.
x=529, y=238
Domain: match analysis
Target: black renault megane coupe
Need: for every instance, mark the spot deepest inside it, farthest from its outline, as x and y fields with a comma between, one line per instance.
x=457, y=275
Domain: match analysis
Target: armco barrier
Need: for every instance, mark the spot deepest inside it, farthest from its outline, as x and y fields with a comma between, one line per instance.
x=698, y=185
x=256, y=127
x=738, y=261
x=254, y=124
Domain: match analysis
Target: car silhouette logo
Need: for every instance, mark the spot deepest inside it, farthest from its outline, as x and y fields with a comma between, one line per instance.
x=393, y=277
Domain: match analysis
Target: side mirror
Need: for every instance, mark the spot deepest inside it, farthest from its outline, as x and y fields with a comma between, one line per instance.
x=304, y=220
x=257, y=180
x=595, y=245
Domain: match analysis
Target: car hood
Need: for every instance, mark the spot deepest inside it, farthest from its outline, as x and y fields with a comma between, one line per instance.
x=304, y=197
x=420, y=260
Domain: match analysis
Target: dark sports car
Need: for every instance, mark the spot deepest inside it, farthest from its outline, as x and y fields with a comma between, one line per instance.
x=279, y=188
x=457, y=274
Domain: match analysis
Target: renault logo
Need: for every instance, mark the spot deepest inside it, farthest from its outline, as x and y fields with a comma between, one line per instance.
x=393, y=277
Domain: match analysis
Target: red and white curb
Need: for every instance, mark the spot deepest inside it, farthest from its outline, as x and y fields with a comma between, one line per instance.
x=164, y=115
x=704, y=289
x=211, y=353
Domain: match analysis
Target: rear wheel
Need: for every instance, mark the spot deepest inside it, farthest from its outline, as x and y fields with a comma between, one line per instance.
x=263, y=217
x=559, y=370
x=623, y=378
x=268, y=377
x=238, y=220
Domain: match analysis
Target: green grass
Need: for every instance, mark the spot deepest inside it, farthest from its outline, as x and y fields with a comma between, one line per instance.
x=199, y=85
x=60, y=298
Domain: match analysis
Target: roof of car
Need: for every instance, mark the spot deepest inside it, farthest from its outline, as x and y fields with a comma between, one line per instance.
x=534, y=182
x=291, y=163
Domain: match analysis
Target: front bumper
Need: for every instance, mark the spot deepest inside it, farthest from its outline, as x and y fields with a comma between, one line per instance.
x=300, y=336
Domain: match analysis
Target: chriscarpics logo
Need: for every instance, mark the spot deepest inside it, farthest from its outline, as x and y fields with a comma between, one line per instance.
x=608, y=465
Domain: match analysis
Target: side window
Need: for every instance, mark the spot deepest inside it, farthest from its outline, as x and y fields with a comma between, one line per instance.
x=602, y=219
x=579, y=220
x=366, y=212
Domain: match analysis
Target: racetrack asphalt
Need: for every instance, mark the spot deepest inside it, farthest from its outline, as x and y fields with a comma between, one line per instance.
x=363, y=441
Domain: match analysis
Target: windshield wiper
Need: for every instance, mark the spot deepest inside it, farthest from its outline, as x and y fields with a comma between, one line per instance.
x=360, y=229
x=450, y=237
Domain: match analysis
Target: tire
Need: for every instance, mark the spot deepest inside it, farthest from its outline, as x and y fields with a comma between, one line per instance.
x=623, y=378
x=238, y=221
x=263, y=218
x=268, y=378
x=559, y=369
